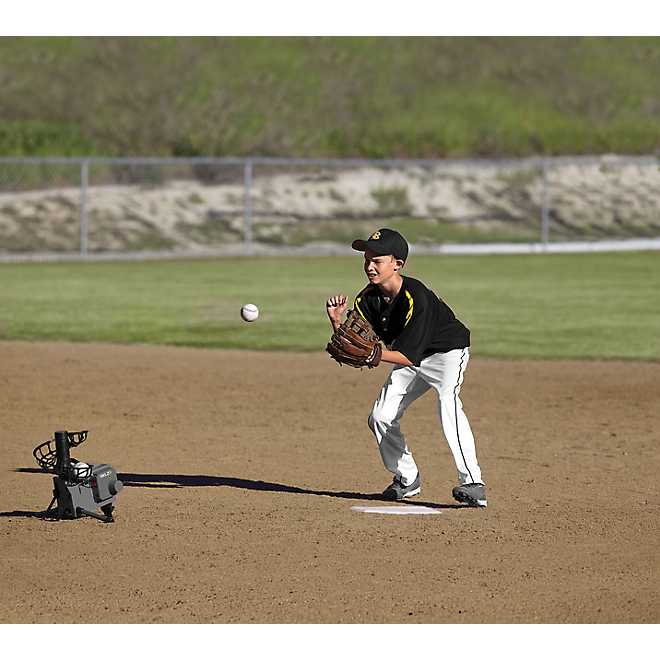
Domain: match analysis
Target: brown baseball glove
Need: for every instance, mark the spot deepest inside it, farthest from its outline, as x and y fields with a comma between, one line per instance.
x=355, y=343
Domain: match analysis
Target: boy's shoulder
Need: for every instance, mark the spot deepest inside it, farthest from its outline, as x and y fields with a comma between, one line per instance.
x=413, y=285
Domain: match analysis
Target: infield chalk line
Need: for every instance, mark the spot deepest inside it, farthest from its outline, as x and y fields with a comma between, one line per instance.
x=409, y=510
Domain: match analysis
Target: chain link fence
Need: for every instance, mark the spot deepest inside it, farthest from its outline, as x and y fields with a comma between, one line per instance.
x=133, y=206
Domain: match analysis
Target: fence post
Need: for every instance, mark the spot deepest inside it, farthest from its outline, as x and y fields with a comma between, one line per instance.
x=84, y=182
x=247, y=228
x=545, y=210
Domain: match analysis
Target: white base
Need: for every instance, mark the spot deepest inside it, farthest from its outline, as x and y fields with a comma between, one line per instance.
x=398, y=510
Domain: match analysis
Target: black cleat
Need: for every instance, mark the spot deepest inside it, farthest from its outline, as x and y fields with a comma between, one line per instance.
x=472, y=494
x=397, y=491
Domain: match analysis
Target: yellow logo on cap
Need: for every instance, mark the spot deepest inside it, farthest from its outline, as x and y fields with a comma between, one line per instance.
x=375, y=236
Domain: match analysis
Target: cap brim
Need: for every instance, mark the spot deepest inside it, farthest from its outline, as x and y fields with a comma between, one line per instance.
x=359, y=245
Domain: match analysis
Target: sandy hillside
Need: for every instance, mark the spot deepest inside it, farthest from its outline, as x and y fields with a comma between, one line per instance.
x=454, y=202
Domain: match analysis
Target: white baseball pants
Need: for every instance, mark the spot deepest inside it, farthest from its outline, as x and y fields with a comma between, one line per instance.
x=444, y=373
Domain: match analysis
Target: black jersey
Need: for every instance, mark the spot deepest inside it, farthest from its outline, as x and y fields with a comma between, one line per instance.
x=416, y=323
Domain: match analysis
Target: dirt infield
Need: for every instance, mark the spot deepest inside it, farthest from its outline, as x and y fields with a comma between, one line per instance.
x=241, y=469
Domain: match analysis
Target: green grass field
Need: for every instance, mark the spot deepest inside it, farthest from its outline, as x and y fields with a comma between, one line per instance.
x=537, y=306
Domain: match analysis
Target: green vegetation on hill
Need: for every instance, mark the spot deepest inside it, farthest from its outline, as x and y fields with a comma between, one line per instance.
x=311, y=96
x=538, y=306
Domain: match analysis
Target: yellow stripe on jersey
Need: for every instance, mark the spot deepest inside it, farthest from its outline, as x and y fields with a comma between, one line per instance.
x=410, y=308
x=357, y=301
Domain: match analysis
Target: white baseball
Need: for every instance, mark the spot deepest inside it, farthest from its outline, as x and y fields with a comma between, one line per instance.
x=249, y=312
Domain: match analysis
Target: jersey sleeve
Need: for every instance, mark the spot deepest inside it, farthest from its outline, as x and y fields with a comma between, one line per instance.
x=417, y=331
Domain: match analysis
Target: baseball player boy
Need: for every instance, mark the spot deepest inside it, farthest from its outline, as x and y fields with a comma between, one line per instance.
x=429, y=348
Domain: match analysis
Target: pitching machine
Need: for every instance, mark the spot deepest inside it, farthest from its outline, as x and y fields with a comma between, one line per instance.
x=79, y=489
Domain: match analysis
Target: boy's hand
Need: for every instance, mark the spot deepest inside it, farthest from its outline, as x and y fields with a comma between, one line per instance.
x=335, y=306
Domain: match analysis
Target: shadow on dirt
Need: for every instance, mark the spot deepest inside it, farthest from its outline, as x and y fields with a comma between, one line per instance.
x=185, y=480
x=132, y=480
x=42, y=515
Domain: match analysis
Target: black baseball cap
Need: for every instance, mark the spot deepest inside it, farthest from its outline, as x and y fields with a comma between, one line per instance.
x=384, y=241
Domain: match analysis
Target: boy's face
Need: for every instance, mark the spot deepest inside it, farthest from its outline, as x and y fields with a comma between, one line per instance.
x=379, y=269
